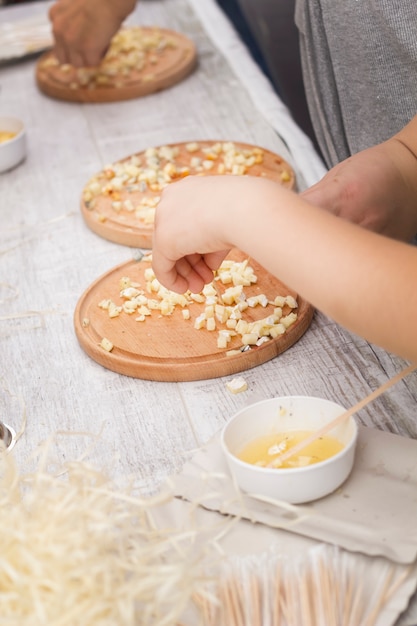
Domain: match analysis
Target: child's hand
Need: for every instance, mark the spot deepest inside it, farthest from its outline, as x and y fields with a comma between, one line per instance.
x=187, y=233
x=199, y=219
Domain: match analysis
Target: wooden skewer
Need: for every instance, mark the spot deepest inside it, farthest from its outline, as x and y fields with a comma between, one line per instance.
x=343, y=416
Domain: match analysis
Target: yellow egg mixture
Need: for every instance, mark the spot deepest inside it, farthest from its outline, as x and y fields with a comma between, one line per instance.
x=6, y=136
x=265, y=451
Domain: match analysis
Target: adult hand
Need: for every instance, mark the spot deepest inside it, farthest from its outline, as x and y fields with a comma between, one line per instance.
x=375, y=188
x=83, y=29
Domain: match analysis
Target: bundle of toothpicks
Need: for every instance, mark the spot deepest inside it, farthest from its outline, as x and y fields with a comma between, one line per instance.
x=323, y=588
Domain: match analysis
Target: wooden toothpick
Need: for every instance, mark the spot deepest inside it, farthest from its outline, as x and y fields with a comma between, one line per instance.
x=343, y=416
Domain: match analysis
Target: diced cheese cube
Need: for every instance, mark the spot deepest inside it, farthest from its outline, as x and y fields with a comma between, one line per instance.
x=129, y=307
x=209, y=311
x=211, y=323
x=288, y=320
x=155, y=285
x=149, y=274
x=279, y=301
x=105, y=304
x=232, y=294
x=263, y=300
x=222, y=313
x=291, y=301
x=277, y=313
x=242, y=327
x=225, y=277
x=192, y=146
x=167, y=307
x=114, y=310
x=278, y=329
x=197, y=297
x=252, y=301
x=221, y=342
x=106, y=344
x=129, y=292
x=200, y=321
x=209, y=290
x=250, y=339
x=237, y=385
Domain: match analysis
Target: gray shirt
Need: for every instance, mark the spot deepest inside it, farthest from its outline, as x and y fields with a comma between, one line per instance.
x=359, y=60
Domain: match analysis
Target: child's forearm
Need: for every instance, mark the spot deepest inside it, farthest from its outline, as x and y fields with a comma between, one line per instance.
x=364, y=281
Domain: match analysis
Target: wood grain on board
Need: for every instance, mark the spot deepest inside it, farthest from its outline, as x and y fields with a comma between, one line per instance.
x=128, y=226
x=167, y=347
x=154, y=68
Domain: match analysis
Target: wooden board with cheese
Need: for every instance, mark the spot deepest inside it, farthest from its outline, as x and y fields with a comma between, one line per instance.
x=118, y=203
x=127, y=323
x=140, y=61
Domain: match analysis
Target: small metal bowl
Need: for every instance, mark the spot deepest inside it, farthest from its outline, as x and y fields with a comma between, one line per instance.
x=7, y=436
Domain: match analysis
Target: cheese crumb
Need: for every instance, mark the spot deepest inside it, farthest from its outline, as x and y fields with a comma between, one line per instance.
x=236, y=385
x=106, y=344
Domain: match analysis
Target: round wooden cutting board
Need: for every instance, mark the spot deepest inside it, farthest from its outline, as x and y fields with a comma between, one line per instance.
x=119, y=202
x=140, y=61
x=169, y=347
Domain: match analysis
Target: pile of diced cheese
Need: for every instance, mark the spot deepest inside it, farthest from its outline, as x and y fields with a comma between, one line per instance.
x=221, y=309
x=131, y=50
x=149, y=173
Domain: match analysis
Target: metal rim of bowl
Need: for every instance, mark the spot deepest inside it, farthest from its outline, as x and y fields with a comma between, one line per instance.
x=7, y=436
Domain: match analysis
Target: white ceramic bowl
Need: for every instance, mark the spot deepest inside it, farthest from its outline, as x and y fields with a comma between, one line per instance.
x=12, y=151
x=282, y=414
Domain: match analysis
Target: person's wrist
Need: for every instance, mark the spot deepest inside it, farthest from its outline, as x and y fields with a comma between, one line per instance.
x=404, y=160
x=260, y=199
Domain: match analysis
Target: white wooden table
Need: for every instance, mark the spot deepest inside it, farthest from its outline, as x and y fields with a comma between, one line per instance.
x=48, y=257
